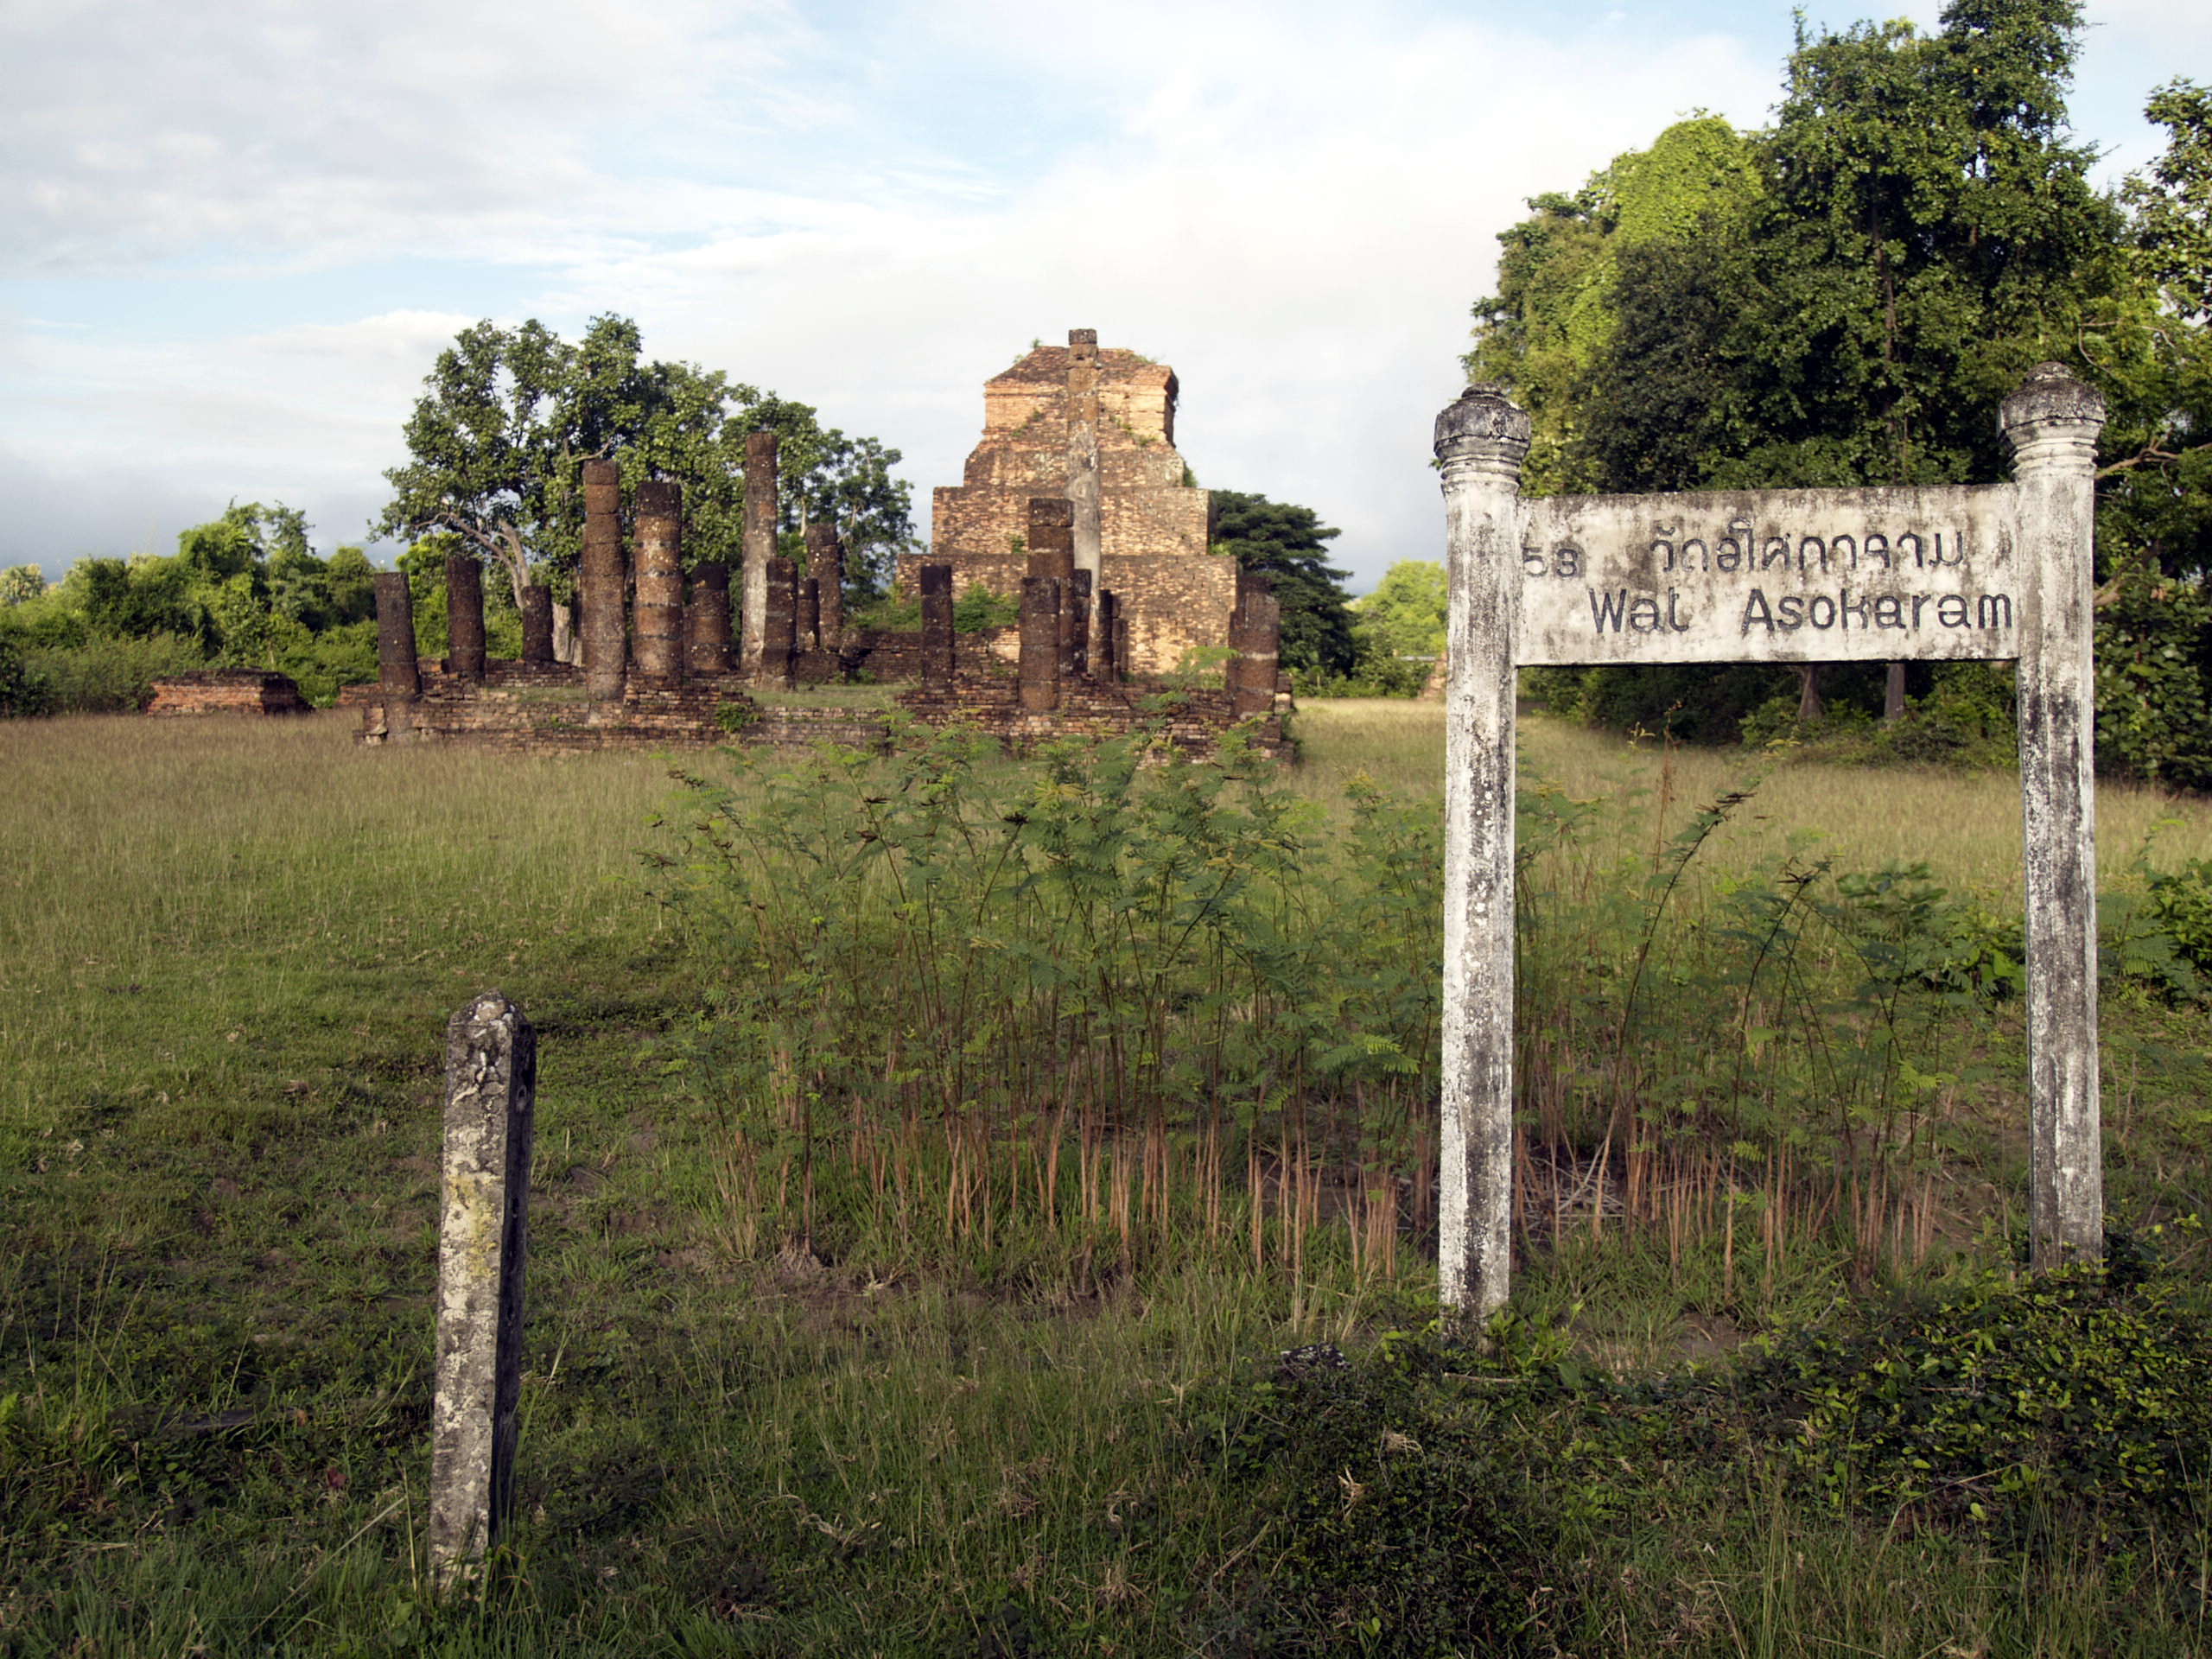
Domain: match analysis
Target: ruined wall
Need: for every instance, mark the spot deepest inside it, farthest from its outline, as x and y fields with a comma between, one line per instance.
x=227, y=691
x=1147, y=513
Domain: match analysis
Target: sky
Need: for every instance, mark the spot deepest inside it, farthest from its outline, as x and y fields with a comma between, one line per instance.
x=235, y=234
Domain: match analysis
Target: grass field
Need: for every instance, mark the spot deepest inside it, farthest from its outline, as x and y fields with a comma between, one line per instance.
x=226, y=954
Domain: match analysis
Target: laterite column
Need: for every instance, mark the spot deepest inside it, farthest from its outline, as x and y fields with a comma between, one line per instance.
x=758, y=547
x=465, y=618
x=706, y=621
x=537, y=623
x=660, y=582
x=606, y=638
x=938, y=658
x=780, y=619
x=1040, y=644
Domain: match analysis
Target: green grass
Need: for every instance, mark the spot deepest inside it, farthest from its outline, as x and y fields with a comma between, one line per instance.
x=227, y=953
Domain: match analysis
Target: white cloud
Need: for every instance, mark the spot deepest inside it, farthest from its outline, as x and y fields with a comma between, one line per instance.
x=870, y=206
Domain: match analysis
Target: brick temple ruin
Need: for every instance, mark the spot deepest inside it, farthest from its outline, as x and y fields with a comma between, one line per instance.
x=661, y=665
x=1097, y=427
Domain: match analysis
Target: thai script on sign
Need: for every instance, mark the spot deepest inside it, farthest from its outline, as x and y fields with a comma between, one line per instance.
x=1780, y=576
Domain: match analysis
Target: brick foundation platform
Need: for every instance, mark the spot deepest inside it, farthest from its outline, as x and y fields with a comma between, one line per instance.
x=1194, y=721
x=543, y=708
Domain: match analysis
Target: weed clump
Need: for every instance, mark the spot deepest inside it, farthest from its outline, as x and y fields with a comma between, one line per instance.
x=2078, y=1390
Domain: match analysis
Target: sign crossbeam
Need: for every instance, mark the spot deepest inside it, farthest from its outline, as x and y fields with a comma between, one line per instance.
x=1996, y=572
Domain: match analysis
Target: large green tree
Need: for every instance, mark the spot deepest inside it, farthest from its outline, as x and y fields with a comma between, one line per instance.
x=1289, y=545
x=2152, y=355
x=508, y=416
x=1843, y=298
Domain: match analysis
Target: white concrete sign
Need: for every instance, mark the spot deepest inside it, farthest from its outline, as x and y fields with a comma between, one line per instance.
x=1999, y=571
x=1776, y=575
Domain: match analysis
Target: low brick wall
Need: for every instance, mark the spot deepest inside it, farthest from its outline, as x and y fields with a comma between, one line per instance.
x=227, y=691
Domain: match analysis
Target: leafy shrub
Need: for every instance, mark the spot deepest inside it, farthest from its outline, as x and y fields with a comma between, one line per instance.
x=2181, y=904
x=892, y=614
x=980, y=611
x=1406, y=1501
x=1992, y=1400
x=20, y=696
x=107, y=675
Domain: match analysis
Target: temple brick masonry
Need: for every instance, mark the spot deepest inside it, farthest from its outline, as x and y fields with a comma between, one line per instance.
x=227, y=691
x=1095, y=428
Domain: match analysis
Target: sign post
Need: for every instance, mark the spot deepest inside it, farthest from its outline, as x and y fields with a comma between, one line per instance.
x=1996, y=572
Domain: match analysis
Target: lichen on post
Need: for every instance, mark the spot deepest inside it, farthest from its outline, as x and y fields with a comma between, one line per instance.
x=2051, y=423
x=483, y=1239
x=1480, y=442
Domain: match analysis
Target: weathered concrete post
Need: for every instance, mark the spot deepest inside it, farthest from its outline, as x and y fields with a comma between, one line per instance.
x=938, y=659
x=398, y=675
x=464, y=617
x=758, y=546
x=1105, y=666
x=1480, y=441
x=706, y=621
x=660, y=582
x=1040, y=668
x=536, y=622
x=1083, y=458
x=606, y=638
x=2051, y=423
x=483, y=1242
x=779, y=624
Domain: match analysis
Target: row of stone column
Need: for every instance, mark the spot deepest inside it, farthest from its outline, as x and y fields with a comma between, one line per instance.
x=668, y=633
x=1062, y=641
x=1057, y=634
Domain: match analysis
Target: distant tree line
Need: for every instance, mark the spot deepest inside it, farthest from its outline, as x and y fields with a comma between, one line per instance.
x=496, y=444
x=244, y=590
x=1844, y=298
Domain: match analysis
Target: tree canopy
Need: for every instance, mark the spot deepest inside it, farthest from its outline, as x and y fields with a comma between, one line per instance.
x=508, y=416
x=1845, y=297
x=1290, y=545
